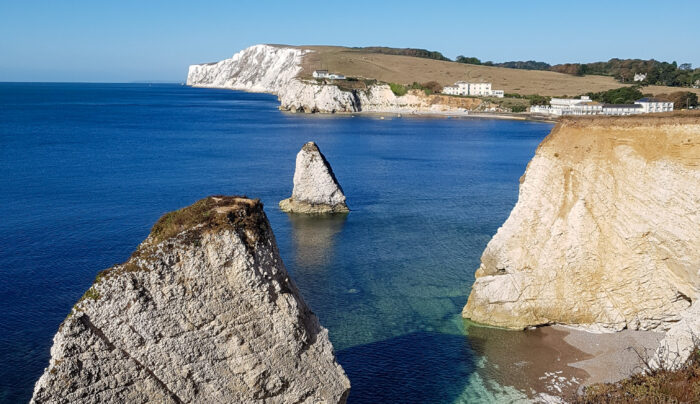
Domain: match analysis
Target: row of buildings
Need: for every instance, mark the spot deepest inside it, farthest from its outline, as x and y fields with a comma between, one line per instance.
x=473, y=89
x=324, y=74
x=585, y=106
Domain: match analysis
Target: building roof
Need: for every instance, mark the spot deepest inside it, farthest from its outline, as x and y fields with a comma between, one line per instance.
x=621, y=106
x=650, y=99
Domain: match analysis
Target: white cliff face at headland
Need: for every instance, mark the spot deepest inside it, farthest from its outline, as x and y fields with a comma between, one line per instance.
x=276, y=70
x=260, y=68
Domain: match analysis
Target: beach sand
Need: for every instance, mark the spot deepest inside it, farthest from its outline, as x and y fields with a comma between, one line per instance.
x=558, y=360
x=614, y=355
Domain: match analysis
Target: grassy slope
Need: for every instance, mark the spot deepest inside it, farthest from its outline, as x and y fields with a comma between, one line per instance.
x=407, y=69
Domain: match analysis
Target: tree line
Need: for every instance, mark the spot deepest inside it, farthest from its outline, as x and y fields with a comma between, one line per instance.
x=624, y=70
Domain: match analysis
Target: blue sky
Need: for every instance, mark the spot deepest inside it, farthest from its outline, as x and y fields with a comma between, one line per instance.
x=116, y=41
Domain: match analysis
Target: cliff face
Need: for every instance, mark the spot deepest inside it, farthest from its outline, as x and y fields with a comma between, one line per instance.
x=275, y=70
x=605, y=232
x=203, y=311
x=260, y=68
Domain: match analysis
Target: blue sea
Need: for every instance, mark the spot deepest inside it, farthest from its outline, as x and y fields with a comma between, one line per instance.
x=86, y=169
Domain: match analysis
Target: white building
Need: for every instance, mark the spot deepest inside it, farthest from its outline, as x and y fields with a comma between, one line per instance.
x=622, y=109
x=640, y=76
x=569, y=106
x=451, y=90
x=568, y=102
x=324, y=74
x=650, y=104
x=472, y=89
x=584, y=106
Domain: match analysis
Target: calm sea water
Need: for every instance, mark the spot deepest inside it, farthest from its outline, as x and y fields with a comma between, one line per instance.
x=86, y=169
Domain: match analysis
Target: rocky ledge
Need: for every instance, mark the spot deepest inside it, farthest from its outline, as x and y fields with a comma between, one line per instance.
x=316, y=190
x=605, y=232
x=203, y=311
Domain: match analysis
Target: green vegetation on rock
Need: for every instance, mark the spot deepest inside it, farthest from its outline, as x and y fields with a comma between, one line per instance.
x=430, y=87
x=398, y=89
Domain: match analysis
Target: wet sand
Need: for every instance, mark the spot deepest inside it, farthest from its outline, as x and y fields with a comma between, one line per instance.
x=532, y=361
x=558, y=360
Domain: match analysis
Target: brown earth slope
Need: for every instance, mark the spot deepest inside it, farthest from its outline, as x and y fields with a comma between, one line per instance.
x=407, y=69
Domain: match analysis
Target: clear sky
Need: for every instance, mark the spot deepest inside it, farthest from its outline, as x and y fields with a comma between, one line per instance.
x=126, y=40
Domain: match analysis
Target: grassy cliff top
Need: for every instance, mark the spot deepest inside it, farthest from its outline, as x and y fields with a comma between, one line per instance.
x=674, y=136
x=210, y=213
x=685, y=117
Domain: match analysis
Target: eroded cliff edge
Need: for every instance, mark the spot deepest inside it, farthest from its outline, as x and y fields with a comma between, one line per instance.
x=276, y=69
x=606, y=230
x=203, y=311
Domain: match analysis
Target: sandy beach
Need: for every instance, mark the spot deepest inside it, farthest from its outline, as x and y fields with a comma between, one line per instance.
x=558, y=360
x=614, y=356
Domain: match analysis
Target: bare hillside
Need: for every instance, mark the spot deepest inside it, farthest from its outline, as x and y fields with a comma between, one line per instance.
x=407, y=69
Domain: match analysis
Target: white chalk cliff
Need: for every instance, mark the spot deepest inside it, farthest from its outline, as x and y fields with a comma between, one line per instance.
x=275, y=69
x=260, y=68
x=316, y=190
x=203, y=311
x=606, y=230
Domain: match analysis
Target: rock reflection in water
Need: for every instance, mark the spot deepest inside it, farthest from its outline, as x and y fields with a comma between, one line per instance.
x=314, y=238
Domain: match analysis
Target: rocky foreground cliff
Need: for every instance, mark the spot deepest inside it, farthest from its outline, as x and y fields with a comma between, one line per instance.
x=276, y=69
x=203, y=311
x=605, y=233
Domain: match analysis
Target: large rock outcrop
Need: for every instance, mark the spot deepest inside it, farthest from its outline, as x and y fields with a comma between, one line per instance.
x=276, y=69
x=606, y=231
x=316, y=190
x=203, y=311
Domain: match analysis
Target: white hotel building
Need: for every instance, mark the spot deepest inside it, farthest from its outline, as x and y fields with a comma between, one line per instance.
x=473, y=89
x=584, y=106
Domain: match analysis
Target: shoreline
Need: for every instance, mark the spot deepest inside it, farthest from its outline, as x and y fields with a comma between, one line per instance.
x=513, y=116
x=432, y=114
x=557, y=360
x=402, y=113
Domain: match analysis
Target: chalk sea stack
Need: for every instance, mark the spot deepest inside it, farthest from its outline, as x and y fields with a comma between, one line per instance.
x=605, y=232
x=316, y=190
x=203, y=311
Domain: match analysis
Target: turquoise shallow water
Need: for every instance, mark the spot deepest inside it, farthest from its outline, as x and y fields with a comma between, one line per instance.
x=88, y=168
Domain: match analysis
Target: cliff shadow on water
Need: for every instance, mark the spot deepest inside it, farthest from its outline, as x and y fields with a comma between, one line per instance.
x=411, y=368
